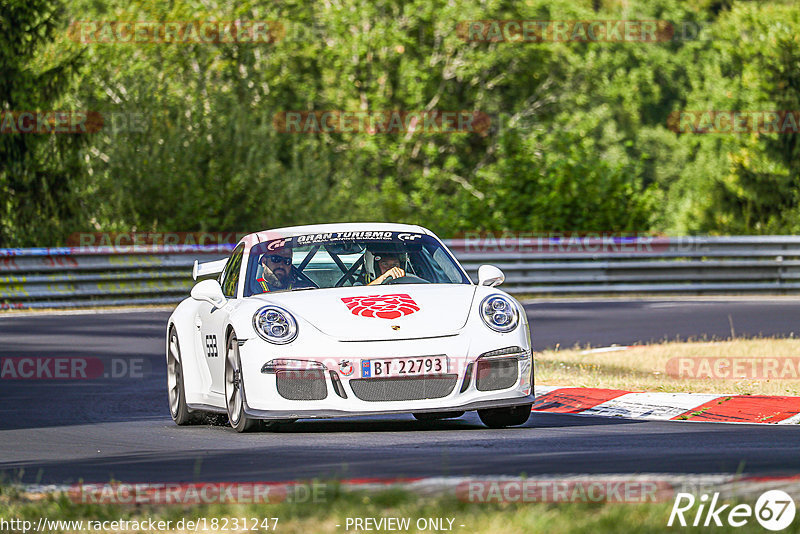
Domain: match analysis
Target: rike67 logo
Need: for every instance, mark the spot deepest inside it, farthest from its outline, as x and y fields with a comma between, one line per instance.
x=774, y=510
x=382, y=306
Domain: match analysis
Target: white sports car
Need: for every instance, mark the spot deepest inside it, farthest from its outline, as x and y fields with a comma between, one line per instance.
x=338, y=320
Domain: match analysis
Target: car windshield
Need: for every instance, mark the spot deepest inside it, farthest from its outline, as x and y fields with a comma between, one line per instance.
x=344, y=259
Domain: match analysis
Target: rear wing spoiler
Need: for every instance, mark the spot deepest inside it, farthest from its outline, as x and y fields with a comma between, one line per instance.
x=208, y=268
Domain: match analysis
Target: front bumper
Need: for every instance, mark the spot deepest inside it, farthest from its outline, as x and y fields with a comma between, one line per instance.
x=263, y=400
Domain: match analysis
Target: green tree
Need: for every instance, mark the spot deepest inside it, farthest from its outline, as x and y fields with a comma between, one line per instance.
x=38, y=172
x=749, y=182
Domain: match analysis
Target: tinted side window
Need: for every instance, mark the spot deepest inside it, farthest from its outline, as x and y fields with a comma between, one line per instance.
x=230, y=277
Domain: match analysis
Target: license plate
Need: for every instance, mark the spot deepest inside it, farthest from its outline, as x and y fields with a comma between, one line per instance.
x=422, y=365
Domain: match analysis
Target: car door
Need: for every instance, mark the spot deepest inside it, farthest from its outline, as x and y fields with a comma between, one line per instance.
x=212, y=321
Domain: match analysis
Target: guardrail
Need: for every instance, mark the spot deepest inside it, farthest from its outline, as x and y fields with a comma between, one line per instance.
x=99, y=276
x=74, y=277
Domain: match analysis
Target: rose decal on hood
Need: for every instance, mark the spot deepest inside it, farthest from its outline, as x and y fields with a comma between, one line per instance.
x=382, y=306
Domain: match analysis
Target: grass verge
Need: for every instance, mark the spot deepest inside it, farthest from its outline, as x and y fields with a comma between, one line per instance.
x=330, y=514
x=647, y=367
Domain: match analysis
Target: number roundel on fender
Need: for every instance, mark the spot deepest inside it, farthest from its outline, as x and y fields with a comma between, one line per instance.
x=382, y=306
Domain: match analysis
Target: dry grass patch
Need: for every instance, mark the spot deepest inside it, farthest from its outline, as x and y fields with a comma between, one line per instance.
x=645, y=368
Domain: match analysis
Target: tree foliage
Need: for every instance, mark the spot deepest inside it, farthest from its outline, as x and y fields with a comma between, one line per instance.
x=579, y=137
x=37, y=173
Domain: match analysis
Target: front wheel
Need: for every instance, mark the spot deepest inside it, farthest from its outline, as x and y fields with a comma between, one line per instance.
x=503, y=417
x=234, y=388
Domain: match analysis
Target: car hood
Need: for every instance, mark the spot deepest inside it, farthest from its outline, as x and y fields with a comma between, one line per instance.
x=377, y=313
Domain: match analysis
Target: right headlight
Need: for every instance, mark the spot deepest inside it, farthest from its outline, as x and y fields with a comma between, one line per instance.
x=499, y=313
x=274, y=324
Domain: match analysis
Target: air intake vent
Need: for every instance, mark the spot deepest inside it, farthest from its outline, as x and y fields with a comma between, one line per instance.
x=403, y=388
x=495, y=374
x=305, y=384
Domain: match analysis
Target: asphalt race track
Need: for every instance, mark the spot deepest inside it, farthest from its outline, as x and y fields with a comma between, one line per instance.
x=63, y=431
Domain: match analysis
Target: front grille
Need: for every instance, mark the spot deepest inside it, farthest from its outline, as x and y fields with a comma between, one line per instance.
x=306, y=384
x=403, y=388
x=496, y=374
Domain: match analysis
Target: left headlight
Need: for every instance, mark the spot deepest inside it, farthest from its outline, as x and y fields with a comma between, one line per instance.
x=499, y=313
x=274, y=324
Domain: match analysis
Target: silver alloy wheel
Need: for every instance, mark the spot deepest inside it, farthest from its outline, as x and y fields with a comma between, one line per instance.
x=233, y=390
x=174, y=374
x=176, y=388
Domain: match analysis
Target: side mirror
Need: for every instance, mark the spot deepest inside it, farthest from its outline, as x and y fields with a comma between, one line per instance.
x=489, y=275
x=209, y=291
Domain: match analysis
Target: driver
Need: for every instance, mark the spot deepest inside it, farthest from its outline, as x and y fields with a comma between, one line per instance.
x=278, y=273
x=389, y=265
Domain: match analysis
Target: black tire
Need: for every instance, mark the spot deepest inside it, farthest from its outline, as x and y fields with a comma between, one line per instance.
x=176, y=391
x=503, y=417
x=234, y=388
x=435, y=416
